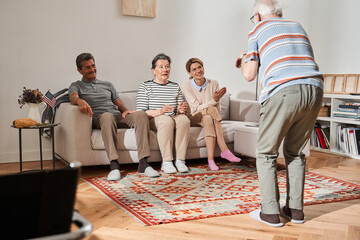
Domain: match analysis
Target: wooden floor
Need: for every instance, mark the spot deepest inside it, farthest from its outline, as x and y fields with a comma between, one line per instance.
x=336, y=221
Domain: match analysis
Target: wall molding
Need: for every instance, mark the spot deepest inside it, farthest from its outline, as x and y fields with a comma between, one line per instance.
x=27, y=156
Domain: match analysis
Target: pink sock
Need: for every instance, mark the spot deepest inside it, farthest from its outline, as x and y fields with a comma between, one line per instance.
x=212, y=165
x=229, y=156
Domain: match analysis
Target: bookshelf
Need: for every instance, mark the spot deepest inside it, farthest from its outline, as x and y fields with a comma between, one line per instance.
x=333, y=122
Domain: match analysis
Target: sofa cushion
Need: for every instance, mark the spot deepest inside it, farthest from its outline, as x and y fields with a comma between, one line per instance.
x=225, y=106
x=126, y=140
x=129, y=99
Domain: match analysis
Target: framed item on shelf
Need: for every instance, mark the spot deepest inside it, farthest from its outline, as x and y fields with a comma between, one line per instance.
x=328, y=83
x=342, y=83
x=351, y=83
x=339, y=83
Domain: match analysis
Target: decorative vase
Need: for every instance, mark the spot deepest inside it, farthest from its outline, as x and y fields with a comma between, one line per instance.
x=34, y=112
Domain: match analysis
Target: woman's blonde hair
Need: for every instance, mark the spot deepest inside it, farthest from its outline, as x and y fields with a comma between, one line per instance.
x=191, y=61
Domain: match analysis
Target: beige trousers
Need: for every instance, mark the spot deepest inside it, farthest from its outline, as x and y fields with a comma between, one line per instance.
x=170, y=129
x=108, y=123
x=290, y=115
x=210, y=120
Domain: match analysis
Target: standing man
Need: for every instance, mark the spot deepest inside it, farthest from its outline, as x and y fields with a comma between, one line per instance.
x=100, y=100
x=280, y=53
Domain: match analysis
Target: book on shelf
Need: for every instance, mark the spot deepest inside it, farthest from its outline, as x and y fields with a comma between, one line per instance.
x=348, y=139
x=314, y=140
x=326, y=133
x=351, y=137
x=350, y=113
x=348, y=110
x=347, y=115
x=349, y=106
x=320, y=137
x=357, y=140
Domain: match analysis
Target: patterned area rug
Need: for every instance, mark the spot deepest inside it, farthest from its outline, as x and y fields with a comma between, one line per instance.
x=202, y=193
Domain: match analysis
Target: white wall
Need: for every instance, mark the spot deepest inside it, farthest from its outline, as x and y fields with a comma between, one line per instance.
x=40, y=40
x=335, y=35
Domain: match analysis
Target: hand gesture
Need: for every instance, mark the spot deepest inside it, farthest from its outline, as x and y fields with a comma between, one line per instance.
x=239, y=59
x=84, y=107
x=219, y=94
x=123, y=114
x=182, y=107
x=166, y=108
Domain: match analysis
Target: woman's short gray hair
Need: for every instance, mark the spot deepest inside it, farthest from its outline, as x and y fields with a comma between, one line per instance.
x=267, y=7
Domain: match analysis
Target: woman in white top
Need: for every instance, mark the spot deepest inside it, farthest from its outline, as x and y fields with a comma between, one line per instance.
x=203, y=96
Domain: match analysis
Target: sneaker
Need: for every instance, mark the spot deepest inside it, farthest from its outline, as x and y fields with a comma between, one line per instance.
x=114, y=175
x=269, y=219
x=150, y=172
x=293, y=215
x=168, y=167
x=180, y=165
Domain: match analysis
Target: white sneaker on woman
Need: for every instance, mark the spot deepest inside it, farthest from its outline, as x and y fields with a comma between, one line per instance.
x=168, y=167
x=180, y=165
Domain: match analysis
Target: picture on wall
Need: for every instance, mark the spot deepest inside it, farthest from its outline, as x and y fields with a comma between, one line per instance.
x=140, y=8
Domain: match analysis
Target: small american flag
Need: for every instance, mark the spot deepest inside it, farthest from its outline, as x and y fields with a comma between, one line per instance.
x=49, y=99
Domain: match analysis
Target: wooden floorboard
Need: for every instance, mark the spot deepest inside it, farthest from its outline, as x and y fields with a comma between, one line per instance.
x=339, y=220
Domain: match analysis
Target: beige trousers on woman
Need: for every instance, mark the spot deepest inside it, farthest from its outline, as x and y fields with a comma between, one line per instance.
x=210, y=120
x=170, y=129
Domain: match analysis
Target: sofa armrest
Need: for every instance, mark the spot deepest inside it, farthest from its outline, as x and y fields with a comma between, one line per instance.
x=244, y=110
x=73, y=135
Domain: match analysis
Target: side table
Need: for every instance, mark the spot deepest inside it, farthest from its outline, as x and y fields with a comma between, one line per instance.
x=41, y=129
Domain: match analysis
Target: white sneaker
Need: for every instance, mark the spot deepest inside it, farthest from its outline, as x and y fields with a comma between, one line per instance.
x=151, y=173
x=114, y=175
x=168, y=167
x=180, y=165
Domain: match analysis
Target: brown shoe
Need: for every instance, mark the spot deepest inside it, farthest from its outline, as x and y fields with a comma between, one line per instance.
x=269, y=219
x=294, y=215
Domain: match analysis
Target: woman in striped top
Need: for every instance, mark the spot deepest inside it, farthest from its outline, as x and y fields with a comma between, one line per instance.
x=203, y=96
x=163, y=101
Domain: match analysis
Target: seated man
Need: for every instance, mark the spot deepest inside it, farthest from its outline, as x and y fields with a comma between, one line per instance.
x=101, y=101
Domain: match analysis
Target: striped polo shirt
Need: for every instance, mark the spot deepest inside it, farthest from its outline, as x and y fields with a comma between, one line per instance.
x=153, y=96
x=285, y=56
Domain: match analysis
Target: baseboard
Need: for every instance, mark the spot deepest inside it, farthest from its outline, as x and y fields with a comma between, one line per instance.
x=27, y=156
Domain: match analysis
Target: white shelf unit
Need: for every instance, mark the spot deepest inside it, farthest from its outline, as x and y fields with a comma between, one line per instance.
x=335, y=100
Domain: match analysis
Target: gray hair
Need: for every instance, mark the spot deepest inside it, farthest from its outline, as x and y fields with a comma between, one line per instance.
x=83, y=57
x=160, y=56
x=267, y=7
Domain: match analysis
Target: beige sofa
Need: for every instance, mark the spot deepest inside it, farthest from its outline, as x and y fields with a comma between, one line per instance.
x=75, y=140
